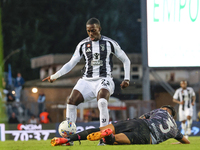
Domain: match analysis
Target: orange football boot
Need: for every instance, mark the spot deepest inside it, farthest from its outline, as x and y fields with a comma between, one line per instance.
x=98, y=135
x=58, y=141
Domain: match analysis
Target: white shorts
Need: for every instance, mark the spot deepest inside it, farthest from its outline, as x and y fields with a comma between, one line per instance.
x=90, y=88
x=183, y=114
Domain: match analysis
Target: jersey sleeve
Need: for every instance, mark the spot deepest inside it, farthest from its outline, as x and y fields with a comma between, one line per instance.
x=193, y=93
x=179, y=136
x=120, y=54
x=69, y=65
x=176, y=94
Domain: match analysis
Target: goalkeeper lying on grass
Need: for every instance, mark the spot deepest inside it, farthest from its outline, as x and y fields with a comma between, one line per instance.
x=151, y=128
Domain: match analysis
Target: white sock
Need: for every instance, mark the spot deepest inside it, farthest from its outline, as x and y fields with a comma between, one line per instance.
x=71, y=113
x=189, y=122
x=103, y=109
x=183, y=126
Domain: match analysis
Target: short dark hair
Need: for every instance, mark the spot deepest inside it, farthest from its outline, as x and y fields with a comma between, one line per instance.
x=171, y=108
x=93, y=21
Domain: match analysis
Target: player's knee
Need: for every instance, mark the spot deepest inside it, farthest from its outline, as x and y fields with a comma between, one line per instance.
x=73, y=101
x=75, y=98
x=70, y=101
x=103, y=93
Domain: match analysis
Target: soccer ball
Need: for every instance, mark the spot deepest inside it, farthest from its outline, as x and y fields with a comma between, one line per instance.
x=67, y=128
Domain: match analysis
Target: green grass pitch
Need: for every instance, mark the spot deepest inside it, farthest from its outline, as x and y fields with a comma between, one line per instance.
x=90, y=145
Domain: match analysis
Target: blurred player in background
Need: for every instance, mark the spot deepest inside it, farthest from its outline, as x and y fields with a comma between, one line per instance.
x=19, y=82
x=153, y=127
x=96, y=82
x=185, y=97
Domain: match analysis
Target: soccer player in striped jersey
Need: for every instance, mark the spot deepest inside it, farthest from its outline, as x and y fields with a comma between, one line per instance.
x=185, y=97
x=96, y=82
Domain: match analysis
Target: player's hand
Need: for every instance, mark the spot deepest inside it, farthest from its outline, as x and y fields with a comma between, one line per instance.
x=48, y=78
x=182, y=102
x=124, y=84
x=192, y=103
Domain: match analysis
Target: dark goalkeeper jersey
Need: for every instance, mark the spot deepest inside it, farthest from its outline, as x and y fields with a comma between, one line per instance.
x=162, y=125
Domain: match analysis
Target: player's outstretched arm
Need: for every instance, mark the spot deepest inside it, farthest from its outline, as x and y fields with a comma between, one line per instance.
x=49, y=79
x=120, y=54
x=65, y=68
x=184, y=140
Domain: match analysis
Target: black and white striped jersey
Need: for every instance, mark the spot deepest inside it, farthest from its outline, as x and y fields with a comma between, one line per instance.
x=98, y=59
x=184, y=95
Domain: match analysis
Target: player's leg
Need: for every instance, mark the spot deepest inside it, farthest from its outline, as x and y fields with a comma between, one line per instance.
x=134, y=131
x=105, y=87
x=75, y=137
x=183, y=126
x=82, y=91
x=83, y=134
x=109, y=138
x=189, y=120
x=102, y=98
x=182, y=119
x=79, y=136
x=74, y=99
x=109, y=126
x=121, y=138
x=104, y=131
x=189, y=124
